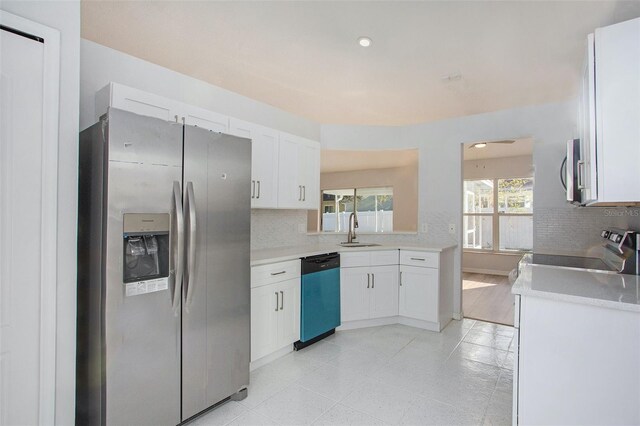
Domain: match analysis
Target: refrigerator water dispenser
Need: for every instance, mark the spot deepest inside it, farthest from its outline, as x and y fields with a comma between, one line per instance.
x=145, y=253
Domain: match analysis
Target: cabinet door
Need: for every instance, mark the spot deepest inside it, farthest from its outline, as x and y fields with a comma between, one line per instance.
x=289, y=312
x=355, y=292
x=309, y=174
x=587, y=122
x=200, y=117
x=264, y=161
x=419, y=293
x=264, y=320
x=136, y=101
x=289, y=186
x=384, y=294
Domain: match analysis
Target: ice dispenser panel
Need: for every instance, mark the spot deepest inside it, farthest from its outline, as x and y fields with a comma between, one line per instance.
x=145, y=253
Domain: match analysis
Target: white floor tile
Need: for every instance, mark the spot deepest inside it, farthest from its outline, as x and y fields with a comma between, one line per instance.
x=359, y=361
x=505, y=381
x=221, y=415
x=321, y=351
x=492, y=340
x=497, y=421
x=295, y=406
x=251, y=418
x=480, y=353
x=500, y=405
x=508, y=361
x=341, y=415
x=381, y=401
x=489, y=327
x=331, y=382
x=430, y=412
x=262, y=385
x=290, y=367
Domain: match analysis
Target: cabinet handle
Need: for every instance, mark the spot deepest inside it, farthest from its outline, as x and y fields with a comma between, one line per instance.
x=581, y=174
x=418, y=258
x=277, y=301
x=299, y=192
x=278, y=273
x=373, y=280
x=258, y=196
x=304, y=192
x=368, y=280
x=253, y=188
x=176, y=116
x=400, y=278
x=281, y=300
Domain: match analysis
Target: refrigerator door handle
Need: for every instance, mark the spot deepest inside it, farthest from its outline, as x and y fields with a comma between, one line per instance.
x=190, y=208
x=178, y=249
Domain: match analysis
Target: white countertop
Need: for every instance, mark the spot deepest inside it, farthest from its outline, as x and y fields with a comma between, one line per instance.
x=615, y=291
x=281, y=254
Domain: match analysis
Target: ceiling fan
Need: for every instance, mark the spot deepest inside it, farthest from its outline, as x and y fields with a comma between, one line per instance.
x=484, y=144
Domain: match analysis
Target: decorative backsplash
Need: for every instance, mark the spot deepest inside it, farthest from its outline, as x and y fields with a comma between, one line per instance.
x=577, y=229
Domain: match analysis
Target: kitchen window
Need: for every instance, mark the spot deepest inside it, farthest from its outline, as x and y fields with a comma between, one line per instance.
x=498, y=214
x=373, y=206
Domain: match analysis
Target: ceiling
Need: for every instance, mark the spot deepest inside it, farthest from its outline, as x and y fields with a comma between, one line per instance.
x=341, y=161
x=499, y=150
x=303, y=56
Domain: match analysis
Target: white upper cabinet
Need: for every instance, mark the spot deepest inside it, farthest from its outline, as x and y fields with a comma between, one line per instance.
x=264, y=161
x=136, y=101
x=285, y=169
x=299, y=173
x=200, y=117
x=609, y=116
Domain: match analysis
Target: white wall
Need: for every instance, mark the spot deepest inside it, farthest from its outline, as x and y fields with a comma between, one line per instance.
x=440, y=163
x=101, y=65
x=65, y=17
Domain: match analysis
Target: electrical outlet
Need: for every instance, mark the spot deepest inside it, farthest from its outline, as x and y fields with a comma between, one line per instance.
x=452, y=228
x=423, y=228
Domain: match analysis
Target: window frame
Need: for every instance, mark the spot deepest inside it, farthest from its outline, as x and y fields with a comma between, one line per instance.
x=495, y=221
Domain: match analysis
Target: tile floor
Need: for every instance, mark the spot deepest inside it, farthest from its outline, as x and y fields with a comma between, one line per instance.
x=487, y=298
x=389, y=375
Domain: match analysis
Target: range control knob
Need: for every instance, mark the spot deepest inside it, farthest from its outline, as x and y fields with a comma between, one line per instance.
x=605, y=234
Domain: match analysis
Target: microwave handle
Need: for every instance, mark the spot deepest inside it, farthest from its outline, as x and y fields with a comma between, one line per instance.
x=581, y=165
x=569, y=171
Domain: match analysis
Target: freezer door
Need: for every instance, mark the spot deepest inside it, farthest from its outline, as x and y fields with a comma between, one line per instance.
x=141, y=324
x=215, y=316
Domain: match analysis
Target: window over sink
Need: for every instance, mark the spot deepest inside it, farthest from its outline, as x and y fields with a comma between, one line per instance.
x=373, y=206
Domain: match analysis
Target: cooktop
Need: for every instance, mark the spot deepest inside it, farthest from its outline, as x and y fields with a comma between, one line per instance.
x=570, y=261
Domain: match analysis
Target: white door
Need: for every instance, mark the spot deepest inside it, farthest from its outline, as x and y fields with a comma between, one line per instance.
x=355, y=290
x=384, y=294
x=289, y=312
x=26, y=284
x=264, y=320
x=419, y=293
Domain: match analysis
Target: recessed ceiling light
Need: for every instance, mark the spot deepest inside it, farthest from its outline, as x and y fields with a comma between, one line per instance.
x=364, y=41
x=480, y=145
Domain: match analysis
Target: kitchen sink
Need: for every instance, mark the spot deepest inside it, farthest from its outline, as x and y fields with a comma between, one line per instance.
x=358, y=244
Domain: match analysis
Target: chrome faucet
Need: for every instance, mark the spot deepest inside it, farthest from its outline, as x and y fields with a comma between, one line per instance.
x=353, y=224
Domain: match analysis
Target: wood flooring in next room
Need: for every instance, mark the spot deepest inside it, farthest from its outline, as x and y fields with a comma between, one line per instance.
x=487, y=298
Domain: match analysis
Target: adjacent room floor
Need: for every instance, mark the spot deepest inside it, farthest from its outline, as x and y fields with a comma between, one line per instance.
x=487, y=298
x=385, y=375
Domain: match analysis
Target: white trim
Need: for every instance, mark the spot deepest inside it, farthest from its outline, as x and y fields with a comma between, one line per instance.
x=486, y=271
x=49, y=196
x=285, y=350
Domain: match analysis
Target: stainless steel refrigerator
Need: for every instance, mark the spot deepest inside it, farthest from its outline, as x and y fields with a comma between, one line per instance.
x=163, y=271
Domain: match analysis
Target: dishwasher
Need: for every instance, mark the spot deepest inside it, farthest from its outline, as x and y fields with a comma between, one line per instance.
x=319, y=298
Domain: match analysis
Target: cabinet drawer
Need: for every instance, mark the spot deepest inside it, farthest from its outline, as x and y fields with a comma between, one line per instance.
x=274, y=273
x=384, y=257
x=419, y=258
x=355, y=259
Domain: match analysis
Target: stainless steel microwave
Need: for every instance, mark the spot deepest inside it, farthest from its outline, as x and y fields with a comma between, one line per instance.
x=575, y=173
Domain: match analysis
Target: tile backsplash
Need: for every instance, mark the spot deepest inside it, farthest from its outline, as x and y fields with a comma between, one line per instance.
x=577, y=229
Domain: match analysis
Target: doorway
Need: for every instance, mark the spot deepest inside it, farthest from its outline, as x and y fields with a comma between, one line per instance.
x=497, y=224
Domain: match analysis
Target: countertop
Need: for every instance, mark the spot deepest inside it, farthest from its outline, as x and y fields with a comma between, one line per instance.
x=281, y=254
x=615, y=291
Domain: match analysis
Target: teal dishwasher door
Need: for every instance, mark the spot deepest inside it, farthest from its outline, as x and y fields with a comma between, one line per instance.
x=320, y=303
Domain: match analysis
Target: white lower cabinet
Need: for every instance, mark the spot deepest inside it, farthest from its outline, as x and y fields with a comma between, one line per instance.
x=275, y=308
x=419, y=293
x=368, y=292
